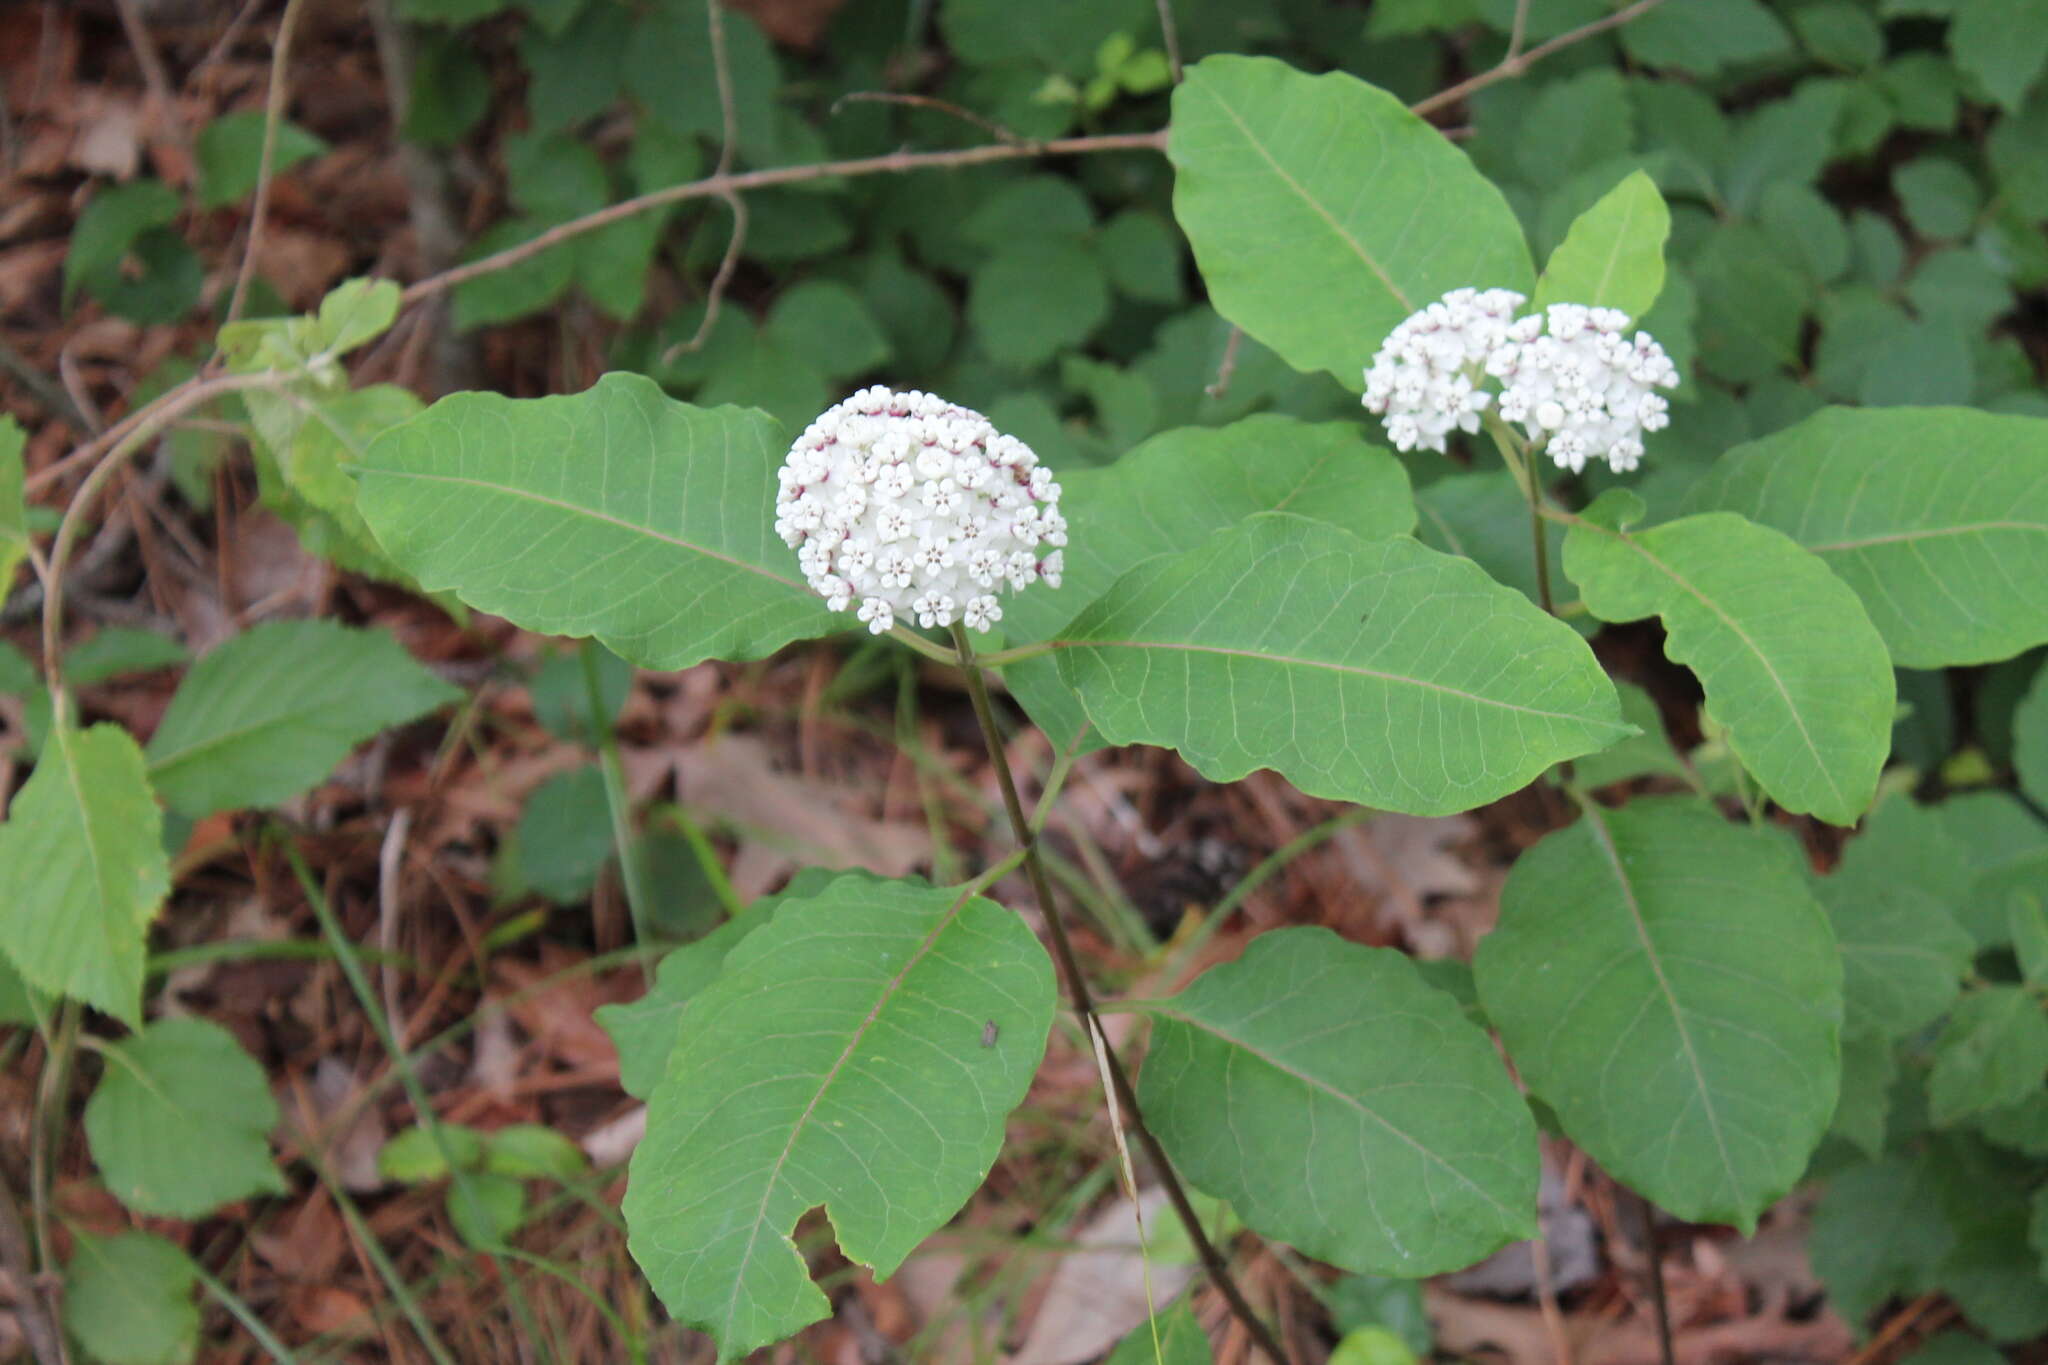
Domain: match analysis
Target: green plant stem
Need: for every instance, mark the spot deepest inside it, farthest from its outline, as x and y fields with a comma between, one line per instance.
x=38, y=1324
x=1521, y=464
x=58, y=1050
x=374, y=1250
x=632, y=870
x=1084, y=1005
x=242, y=1313
x=423, y=1109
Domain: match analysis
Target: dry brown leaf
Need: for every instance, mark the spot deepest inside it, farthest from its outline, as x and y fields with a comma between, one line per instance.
x=109, y=136
x=1096, y=1297
x=324, y=1309
x=301, y=264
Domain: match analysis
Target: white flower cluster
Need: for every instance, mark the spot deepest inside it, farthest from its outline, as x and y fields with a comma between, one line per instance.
x=1569, y=377
x=1583, y=386
x=917, y=508
x=1422, y=380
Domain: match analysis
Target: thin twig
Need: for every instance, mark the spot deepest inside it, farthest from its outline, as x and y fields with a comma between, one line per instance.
x=1513, y=66
x=37, y=1326
x=987, y=125
x=1084, y=1005
x=1887, y=1336
x=44, y=389
x=894, y=163
x=1519, y=30
x=152, y=63
x=728, y=148
x=1169, y=37
x=227, y=38
x=1228, y=366
x=273, y=117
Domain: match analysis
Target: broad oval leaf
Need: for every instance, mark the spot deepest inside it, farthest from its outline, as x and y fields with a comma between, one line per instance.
x=1937, y=517
x=1892, y=903
x=1665, y=982
x=617, y=512
x=1377, y=671
x=128, y=1300
x=1613, y=255
x=844, y=1057
x=270, y=712
x=180, y=1121
x=1791, y=665
x=1992, y=1053
x=1322, y=212
x=1175, y=490
x=86, y=871
x=1339, y=1104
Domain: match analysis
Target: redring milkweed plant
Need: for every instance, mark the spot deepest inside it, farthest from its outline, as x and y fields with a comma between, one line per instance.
x=1668, y=978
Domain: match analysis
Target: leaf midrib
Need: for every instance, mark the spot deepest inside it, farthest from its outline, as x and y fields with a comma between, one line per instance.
x=1605, y=838
x=1357, y=247
x=541, y=499
x=1931, y=533
x=1770, y=670
x=1288, y=660
x=796, y=1129
x=1317, y=1083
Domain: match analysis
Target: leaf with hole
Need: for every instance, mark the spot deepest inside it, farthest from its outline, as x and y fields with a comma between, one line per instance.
x=1322, y=212
x=617, y=512
x=1372, y=671
x=1339, y=1104
x=268, y=714
x=1793, y=669
x=1664, y=981
x=843, y=1058
x=180, y=1121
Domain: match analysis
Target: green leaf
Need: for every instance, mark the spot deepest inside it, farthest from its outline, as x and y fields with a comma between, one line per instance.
x=415, y=1157
x=1485, y=518
x=1954, y=1348
x=826, y=323
x=448, y=11
x=1340, y=1105
x=1322, y=212
x=561, y=693
x=565, y=835
x=1839, y=33
x=538, y=510
x=1053, y=35
x=1357, y=1301
x=1289, y=644
x=1992, y=1053
x=1937, y=517
x=128, y=1300
x=269, y=713
x=180, y=1121
x=1175, y=490
x=83, y=843
x=1573, y=125
x=2007, y=850
x=532, y=1151
x=1036, y=297
x=515, y=291
x=13, y=505
x=1664, y=981
x=1143, y=255
x=1789, y=139
x=115, y=650
x=644, y=1030
x=1940, y=198
x=575, y=74
x=843, y=1057
x=1702, y=37
x=1989, y=1271
x=1869, y=1066
x=486, y=1208
x=2030, y=739
x=1175, y=1338
x=451, y=90
x=1791, y=666
x=110, y=225
x=230, y=154
x=1891, y=902
x=1613, y=257
x=2003, y=44
x=1878, y=1231
x=1640, y=754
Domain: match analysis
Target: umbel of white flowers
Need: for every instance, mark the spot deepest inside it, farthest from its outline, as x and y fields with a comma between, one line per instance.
x=1569, y=377
x=919, y=508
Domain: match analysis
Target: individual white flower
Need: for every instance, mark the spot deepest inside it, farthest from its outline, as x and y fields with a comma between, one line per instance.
x=911, y=506
x=1424, y=382
x=1583, y=388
